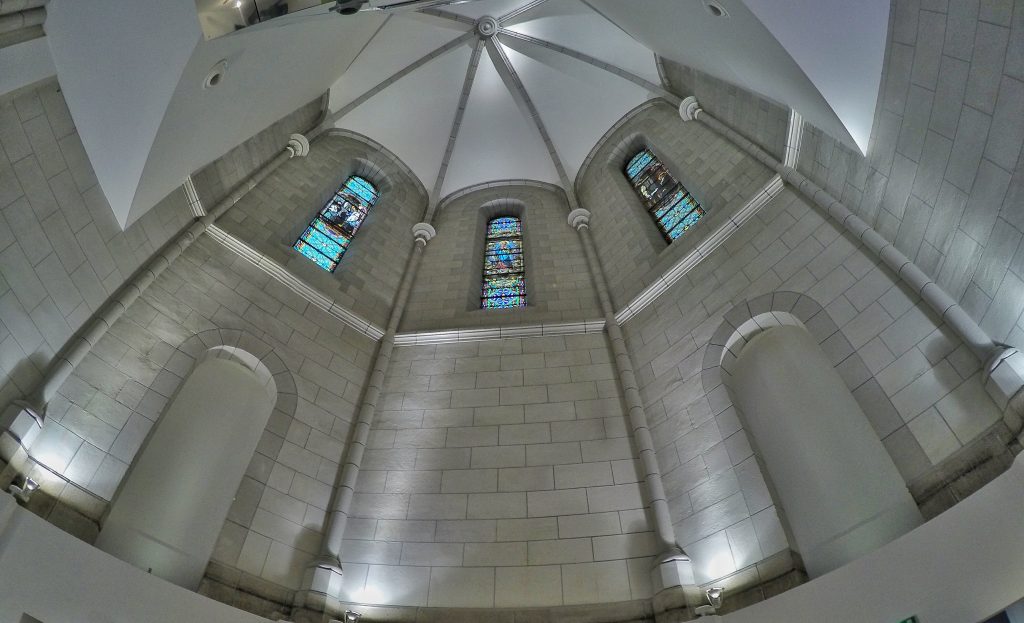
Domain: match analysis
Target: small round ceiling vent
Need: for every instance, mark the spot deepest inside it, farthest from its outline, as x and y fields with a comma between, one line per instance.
x=715, y=9
x=215, y=75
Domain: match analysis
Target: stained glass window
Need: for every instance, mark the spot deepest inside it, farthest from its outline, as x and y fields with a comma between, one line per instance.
x=673, y=208
x=504, y=286
x=328, y=235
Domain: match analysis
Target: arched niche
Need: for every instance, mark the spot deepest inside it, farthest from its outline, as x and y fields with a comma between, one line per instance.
x=172, y=504
x=840, y=493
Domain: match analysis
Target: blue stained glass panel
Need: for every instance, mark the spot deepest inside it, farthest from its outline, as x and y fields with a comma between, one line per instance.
x=504, y=302
x=637, y=164
x=328, y=235
x=504, y=285
x=322, y=242
x=688, y=221
x=673, y=208
x=362, y=189
x=504, y=227
x=321, y=260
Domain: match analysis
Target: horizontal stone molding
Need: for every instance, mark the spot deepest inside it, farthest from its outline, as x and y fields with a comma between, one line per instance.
x=296, y=285
x=689, y=261
x=497, y=333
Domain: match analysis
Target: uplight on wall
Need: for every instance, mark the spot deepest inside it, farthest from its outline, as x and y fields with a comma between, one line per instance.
x=22, y=489
x=715, y=595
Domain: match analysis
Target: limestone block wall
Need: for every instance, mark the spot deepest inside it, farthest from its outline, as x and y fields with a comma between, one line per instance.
x=632, y=250
x=916, y=382
x=101, y=417
x=273, y=216
x=447, y=290
x=214, y=181
x=500, y=473
x=62, y=253
x=944, y=178
x=759, y=119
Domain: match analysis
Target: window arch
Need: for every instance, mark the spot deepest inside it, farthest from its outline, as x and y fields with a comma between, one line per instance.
x=671, y=206
x=504, y=284
x=329, y=233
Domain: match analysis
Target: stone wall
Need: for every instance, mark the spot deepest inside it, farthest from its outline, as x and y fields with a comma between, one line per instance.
x=446, y=294
x=500, y=473
x=62, y=253
x=916, y=382
x=943, y=177
x=104, y=412
x=214, y=181
x=274, y=215
x=632, y=250
x=757, y=118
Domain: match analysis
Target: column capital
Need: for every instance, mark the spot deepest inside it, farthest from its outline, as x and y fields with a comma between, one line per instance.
x=423, y=233
x=579, y=218
x=689, y=108
x=298, y=145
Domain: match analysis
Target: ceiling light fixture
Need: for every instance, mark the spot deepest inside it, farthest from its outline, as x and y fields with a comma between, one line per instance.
x=215, y=75
x=352, y=616
x=715, y=9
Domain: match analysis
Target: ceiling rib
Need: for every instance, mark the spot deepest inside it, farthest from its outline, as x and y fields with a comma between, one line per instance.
x=347, y=108
x=514, y=13
x=467, y=86
x=455, y=17
x=368, y=42
x=508, y=73
x=590, y=60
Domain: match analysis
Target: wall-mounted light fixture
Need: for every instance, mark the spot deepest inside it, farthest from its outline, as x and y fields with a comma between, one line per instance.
x=22, y=488
x=715, y=595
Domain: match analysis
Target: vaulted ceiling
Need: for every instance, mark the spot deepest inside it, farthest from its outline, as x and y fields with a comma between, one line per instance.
x=458, y=108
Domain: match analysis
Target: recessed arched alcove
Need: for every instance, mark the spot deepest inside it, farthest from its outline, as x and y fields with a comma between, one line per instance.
x=172, y=504
x=839, y=493
x=227, y=389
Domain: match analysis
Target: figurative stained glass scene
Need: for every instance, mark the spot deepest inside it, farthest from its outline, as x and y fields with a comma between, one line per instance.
x=328, y=235
x=673, y=208
x=504, y=286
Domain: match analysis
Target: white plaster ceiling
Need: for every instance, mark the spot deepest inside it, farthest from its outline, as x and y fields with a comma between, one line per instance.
x=833, y=87
x=133, y=80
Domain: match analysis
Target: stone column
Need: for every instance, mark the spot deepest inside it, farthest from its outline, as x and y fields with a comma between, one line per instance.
x=322, y=579
x=673, y=568
x=1004, y=366
x=22, y=420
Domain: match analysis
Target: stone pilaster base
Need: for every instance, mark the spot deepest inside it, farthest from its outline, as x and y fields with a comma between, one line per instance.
x=321, y=587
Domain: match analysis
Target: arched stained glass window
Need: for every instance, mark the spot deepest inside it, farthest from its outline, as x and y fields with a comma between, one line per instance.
x=504, y=283
x=673, y=208
x=329, y=234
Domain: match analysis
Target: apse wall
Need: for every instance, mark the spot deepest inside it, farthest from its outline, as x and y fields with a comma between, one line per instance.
x=633, y=252
x=500, y=473
x=62, y=253
x=446, y=293
x=757, y=118
x=214, y=181
x=944, y=177
x=274, y=215
x=918, y=384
